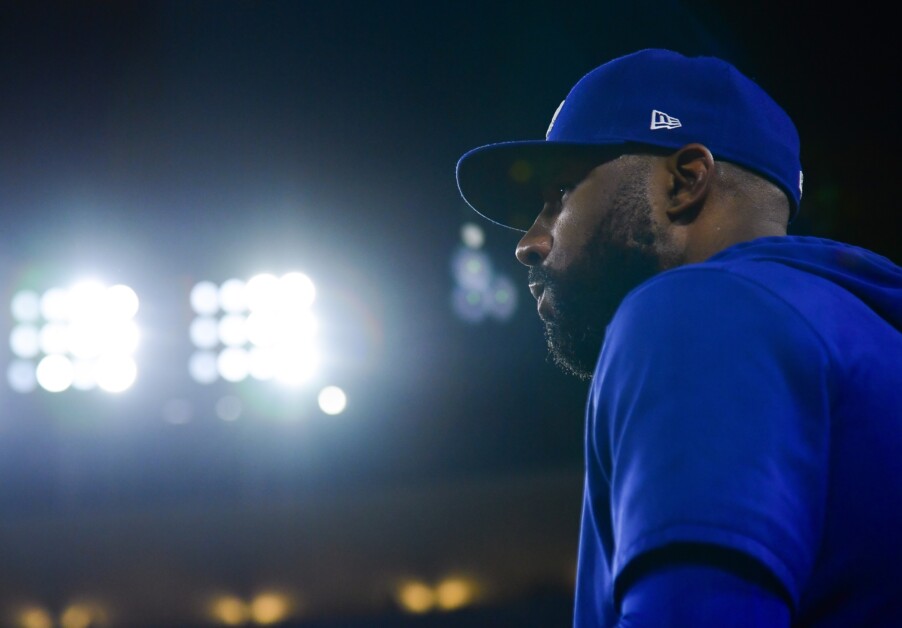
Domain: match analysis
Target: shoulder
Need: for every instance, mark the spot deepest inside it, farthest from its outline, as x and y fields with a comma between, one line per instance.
x=724, y=294
x=713, y=318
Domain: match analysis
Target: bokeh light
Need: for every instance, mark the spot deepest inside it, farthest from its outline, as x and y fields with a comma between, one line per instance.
x=416, y=597
x=262, y=328
x=82, y=337
x=34, y=617
x=229, y=611
x=480, y=292
x=332, y=400
x=77, y=616
x=472, y=269
x=26, y=306
x=454, y=593
x=472, y=235
x=229, y=408
x=269, y=608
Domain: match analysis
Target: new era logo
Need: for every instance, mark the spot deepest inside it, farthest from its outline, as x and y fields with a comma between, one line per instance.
x=660, y=120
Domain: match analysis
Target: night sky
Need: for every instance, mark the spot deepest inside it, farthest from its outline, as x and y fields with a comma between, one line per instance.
x=164, y=143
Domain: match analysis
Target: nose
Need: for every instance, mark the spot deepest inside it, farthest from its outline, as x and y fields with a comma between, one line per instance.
x=535, y=246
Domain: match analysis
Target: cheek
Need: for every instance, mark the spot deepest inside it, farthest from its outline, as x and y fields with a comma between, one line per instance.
x=574, y=230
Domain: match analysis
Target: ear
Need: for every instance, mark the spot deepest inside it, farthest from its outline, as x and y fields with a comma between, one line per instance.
x=692, y=174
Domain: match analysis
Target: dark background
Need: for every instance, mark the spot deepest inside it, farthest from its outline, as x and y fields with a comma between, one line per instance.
x=164, y=143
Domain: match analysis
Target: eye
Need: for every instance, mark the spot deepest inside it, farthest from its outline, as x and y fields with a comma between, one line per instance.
x=564, y=189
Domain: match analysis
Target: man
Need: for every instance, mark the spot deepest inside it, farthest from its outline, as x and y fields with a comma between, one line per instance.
x=744, y=422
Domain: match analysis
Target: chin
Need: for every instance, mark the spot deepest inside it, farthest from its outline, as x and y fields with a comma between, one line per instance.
x=575, y=355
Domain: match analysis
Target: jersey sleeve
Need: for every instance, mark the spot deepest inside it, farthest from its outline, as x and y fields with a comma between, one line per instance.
x=712, y=392
x=699, y=595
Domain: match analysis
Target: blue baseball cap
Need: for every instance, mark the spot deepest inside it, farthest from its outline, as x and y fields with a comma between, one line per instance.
x=654, y=98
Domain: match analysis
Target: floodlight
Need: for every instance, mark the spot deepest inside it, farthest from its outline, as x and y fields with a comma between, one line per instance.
x=54, y=304
x=233, y=296
x=21, y=376
x=26, y=306
x=204, y=332
x=80, y=337
x=55, y=373
x=332, y=400
x=116, y=373
x=233, y=364
x=24, y=340
x=262, y=328
x=205, y=298
x=202, y=367
x=263, y=293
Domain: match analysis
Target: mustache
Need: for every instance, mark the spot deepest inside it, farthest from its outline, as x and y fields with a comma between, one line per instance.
x=540, y=274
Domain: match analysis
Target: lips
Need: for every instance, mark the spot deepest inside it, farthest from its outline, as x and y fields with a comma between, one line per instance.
x=542, y=304
x=537, y=290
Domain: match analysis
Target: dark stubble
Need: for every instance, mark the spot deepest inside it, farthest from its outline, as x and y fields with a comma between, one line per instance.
x=624, y=251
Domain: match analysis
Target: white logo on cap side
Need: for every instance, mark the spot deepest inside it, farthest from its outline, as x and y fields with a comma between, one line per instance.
x=553, y=118
x=660, y=120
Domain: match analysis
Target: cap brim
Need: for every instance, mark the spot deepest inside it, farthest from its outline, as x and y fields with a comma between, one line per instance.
x=502, y=182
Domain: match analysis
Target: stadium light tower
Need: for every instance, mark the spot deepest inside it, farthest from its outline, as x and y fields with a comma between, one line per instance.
x=263, y=328
x=81, y=337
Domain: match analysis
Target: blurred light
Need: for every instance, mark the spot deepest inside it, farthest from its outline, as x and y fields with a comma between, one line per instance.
x=202, y=367
x=502, y=298
x=77, y=616
x=294, y=367
x=86, y=335
x=266, y=329
x=269, y=608
x=86, y=300
x=479, y=291
x=35, y=618
x=469, y=304
x=263, y=328
x=55, y=373
x=472, y=269
x=472, y=235
x=85, y=374
x=263, y=293
x=24, y=340
x=299, y=290
x=233, y=364
x=205, y=298
x=228, y=408
x=332, y=400
x=230, y=611
x=122, y=302
x=21, y=376
x=116, y=373
x=263, y=363
x=26, y=306
x=53, y=338
x=416, y=597
x=233, y=296
x=177, y=411
x=54, y=304
x=204, y=332
x=232, y=330
x=453, y=593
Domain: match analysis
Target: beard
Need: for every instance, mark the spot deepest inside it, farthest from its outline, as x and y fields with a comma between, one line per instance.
x=624, y=250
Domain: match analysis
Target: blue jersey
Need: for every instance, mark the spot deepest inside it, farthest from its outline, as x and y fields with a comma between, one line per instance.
x=753, y=402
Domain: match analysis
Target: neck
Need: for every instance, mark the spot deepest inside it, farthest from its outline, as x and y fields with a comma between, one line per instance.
x=713, y=238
